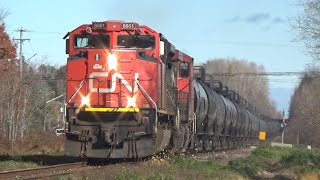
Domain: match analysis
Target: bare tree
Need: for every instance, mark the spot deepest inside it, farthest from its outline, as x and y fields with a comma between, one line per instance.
x=304, y=115
x=3, y=13
x=254, y=88
x=308, y=27
x=23, y=107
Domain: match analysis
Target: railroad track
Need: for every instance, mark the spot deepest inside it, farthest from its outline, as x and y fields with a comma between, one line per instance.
x=42, y=172
x=70, y=168
x=58, y=170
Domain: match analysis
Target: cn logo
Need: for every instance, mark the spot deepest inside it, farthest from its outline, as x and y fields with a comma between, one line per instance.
x=113, y=82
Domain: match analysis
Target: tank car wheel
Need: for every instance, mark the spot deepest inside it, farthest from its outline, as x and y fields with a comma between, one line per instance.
x=215, y=143
x=207, y=145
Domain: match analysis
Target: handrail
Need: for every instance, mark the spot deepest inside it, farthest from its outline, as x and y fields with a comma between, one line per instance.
x=194, y=126
x=76, y=91
x=155, y=105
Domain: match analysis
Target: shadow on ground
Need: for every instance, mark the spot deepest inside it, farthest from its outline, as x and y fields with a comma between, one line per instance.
x=42, y=160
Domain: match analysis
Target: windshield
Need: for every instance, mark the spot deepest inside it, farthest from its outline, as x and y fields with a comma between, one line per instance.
x=136, y=41
x=95, y=41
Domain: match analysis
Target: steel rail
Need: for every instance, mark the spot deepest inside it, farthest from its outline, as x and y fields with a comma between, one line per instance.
x=47, y=171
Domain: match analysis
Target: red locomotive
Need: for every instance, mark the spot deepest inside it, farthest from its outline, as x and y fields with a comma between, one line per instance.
x=131, y=93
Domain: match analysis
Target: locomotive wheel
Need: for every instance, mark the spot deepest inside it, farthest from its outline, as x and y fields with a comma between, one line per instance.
x=178, y=139
x=186, y=138
x=181, y=138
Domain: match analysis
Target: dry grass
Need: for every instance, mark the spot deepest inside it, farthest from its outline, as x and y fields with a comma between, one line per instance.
x=163, y=168
x=264, y=163
x=37, y=143
x=39, y=149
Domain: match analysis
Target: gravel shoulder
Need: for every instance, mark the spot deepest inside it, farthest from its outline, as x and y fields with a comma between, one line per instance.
x=224, y=156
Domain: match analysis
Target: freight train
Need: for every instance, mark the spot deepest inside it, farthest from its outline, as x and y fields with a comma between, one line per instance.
x=130, y=94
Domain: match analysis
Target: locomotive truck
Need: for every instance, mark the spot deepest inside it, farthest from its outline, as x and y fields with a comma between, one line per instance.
x=130, y=94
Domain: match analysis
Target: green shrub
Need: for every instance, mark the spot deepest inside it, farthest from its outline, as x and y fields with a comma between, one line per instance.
x=245, y=166
x=272, y=153
x=303, y=160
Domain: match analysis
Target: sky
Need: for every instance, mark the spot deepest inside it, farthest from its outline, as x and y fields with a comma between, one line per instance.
x=254, y=30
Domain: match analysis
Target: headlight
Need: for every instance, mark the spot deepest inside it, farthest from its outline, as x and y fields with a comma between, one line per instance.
x=131, y=102
x=112, y=61
x=85, y=101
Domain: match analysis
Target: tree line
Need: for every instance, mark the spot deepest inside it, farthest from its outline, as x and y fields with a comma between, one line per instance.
x=304, y=117
x=255, y=89
x=23, y=107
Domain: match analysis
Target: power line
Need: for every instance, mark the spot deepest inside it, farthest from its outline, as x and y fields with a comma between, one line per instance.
x=49, y=32
x=308, y=74
x=242, y=43
x=267, y=80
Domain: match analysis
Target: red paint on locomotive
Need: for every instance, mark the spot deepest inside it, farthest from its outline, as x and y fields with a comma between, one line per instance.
x=101, y=55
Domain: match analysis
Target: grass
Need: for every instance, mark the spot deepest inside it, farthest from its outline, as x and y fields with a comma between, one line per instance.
x=133, y=175
x=247, y=167
x=35, y=150
x=40, y=160
x=209, y=169
x=34, y=143
x=12, y=162
x=265, y=162
x=13, y=165
x=126, y=174
x=278, y=161
x=165, y=168
x=303, y=161
x=270, y=153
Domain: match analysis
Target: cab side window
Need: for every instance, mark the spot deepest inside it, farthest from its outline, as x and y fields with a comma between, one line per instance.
x=81, y=42
x=184, y=70
x=95, y=41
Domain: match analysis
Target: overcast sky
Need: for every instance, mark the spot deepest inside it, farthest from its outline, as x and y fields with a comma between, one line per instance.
x=254, y=30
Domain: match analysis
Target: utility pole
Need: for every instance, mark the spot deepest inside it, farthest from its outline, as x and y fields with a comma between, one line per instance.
x=21, y=40
x=283, y=123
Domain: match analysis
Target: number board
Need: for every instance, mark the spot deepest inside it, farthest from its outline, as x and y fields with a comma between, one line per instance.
x=128, y=25
x=98, y=25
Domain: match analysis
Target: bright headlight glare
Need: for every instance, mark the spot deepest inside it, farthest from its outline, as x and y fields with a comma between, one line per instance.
x=85, y=101
x=112, y=61
x=131, y=102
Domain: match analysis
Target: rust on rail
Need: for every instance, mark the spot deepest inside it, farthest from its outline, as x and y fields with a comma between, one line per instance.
x=34, y=172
